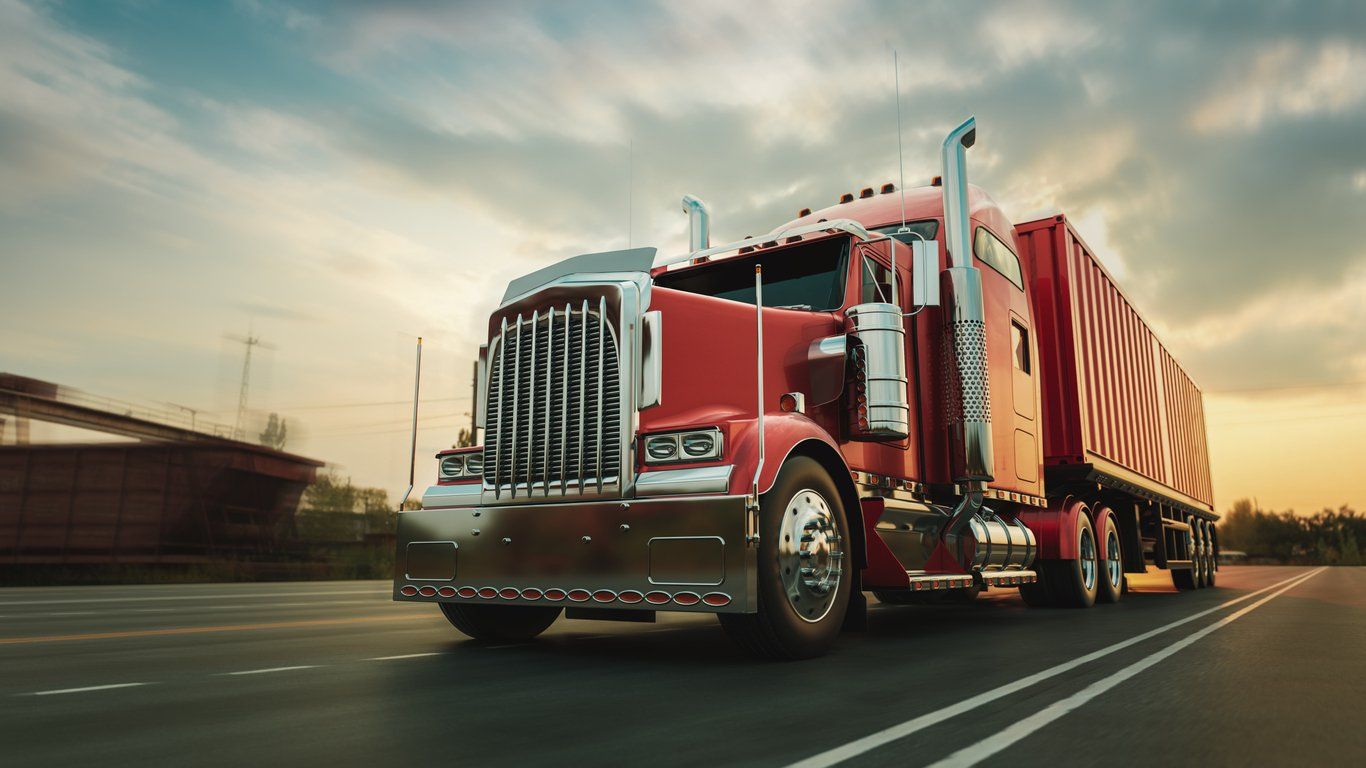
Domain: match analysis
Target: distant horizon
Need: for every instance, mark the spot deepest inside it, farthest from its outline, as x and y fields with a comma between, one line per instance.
x=342, y=179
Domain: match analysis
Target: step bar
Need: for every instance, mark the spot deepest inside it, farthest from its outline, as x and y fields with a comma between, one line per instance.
x=921, y=583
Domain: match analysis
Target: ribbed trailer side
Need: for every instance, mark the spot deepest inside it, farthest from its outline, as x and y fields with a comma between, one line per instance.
x=1114, y=399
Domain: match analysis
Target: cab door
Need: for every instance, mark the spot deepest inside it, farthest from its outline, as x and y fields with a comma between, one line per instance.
x=1013, y=360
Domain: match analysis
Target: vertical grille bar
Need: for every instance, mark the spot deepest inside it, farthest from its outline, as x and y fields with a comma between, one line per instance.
x=602, y=358
x=516, y=398
x=496, y=400
x=549, y=378
x=583, y=392
x=564, y=409
x=531, y=403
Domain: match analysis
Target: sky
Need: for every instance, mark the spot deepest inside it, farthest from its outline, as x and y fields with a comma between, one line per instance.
x=338, y=178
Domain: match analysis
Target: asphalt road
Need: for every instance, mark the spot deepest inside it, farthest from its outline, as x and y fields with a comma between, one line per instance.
x=1267, y=669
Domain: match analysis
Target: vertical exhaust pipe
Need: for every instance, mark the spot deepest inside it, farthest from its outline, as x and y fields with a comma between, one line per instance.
x=699, y=223
x=967, y=406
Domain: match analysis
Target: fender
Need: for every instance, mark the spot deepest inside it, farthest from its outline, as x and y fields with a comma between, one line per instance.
x=1053, y=527
x=783, y=432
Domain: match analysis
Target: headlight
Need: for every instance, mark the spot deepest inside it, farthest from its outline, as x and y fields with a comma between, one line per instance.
x=696, y=445
x=452, y=467
x=474, y=465
x=699, y=444
x=662, y=447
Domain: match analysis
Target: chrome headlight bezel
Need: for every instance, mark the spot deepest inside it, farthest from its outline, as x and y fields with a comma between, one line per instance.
x=451, y=467
x=456, y=467
x=679, y=441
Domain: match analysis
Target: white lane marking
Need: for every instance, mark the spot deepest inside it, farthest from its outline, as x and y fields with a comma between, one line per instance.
x=238, y=596
x=87, y=688
x=272, y=669
x=404, y=656
x=902, y=730
x=976, y=753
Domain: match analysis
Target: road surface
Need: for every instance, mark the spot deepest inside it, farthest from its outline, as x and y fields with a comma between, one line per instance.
x=1266, y=669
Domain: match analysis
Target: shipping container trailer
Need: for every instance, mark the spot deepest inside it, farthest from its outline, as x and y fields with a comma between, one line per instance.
x=902, y=393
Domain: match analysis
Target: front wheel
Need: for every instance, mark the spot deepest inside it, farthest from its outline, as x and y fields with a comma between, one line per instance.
x=506, y=623
x=803, y=581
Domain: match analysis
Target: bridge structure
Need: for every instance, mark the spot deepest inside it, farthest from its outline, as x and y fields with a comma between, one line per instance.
x=160, y=488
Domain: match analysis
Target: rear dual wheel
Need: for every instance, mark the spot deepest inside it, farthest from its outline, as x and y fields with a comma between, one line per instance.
x=1070, y=583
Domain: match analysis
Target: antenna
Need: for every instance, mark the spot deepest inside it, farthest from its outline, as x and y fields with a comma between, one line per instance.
x=250, y=341
x=630, y=191
x=412, y=455
x=900, y=157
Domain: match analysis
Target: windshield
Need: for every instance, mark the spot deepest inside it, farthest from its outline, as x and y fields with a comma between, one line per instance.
x=808, y=276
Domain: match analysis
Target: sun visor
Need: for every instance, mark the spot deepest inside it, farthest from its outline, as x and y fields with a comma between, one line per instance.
x=635, y=260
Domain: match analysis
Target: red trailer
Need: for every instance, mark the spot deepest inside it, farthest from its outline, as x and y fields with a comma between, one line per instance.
x=1119, y=411
x=770, y=428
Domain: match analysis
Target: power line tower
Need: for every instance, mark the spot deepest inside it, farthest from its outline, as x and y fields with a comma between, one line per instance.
x=249, y=341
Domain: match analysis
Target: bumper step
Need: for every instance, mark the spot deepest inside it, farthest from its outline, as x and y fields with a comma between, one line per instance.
x=921, y=583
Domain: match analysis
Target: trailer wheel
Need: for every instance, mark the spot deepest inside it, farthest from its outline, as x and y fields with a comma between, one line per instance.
x=1184, y=579
x=1111, y=581
x=1211, y=559
x=508, y=623
x=803, y=585
x=1074, y=583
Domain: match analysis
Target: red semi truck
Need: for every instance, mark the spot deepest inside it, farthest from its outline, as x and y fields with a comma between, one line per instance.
x=768, y=429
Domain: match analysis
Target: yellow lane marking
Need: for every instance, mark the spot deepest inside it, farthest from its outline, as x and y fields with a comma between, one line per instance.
x=203, y=630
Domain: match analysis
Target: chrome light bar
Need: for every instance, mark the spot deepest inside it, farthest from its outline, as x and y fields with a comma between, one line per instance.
x=840, y=225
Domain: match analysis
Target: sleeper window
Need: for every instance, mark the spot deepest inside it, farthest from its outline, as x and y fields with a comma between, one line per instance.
x=998, y=256
x=1019, y=343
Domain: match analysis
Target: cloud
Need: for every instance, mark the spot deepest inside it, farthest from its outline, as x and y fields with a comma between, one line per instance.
x=401, y=161
x=1286, y=81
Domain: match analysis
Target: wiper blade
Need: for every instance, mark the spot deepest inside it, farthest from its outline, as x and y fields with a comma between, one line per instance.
x=806, y=307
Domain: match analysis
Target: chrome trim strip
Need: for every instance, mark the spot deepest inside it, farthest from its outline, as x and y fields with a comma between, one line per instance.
x=680, y=482
x=459, y=495
x=848, y=226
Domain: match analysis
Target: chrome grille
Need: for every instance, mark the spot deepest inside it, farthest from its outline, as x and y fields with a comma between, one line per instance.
x=554, y=406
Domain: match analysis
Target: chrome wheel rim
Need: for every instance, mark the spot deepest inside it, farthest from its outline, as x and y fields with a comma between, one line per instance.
x=1113, y=568
x=810, y=555
x=1087, y=550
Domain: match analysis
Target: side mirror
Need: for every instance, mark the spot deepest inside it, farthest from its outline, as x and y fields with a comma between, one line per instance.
x=925, y=273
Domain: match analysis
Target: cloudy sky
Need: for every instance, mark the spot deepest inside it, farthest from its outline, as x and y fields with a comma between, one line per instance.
x=340, y=178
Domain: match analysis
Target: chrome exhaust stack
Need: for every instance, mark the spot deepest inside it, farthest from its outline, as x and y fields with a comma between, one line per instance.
x=699, y=223
x=967, y=398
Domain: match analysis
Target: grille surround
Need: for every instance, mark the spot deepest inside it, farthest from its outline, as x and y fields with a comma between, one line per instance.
x=558, y=409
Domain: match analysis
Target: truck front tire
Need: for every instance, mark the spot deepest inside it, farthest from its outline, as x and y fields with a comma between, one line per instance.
x=804, y=566
x=506, y=623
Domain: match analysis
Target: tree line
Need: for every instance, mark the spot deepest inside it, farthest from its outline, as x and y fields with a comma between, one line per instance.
x=1327, y=537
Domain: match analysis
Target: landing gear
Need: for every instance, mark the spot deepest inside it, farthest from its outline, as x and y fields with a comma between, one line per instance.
x=1111, y=585
x=1068, y=583
x=803, y=580
x=507, y=623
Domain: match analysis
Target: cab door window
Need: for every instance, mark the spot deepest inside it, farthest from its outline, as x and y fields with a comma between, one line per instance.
x=876, y=282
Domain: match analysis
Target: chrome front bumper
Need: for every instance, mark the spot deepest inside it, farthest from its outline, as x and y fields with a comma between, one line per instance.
x=680, y=553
